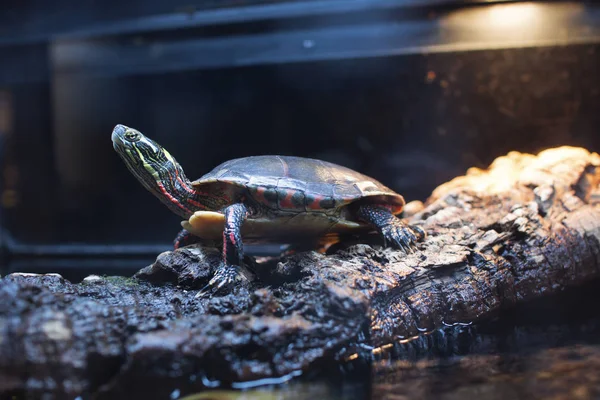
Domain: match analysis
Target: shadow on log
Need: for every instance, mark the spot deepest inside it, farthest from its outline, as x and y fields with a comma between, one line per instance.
x=527, y=227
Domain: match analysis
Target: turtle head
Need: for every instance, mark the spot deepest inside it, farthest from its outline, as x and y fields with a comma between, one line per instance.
x=156, y=169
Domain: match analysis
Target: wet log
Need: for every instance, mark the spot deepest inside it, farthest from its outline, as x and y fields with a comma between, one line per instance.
x=526, y=227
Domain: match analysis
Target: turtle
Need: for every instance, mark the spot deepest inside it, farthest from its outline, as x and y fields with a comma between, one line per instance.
x=265, y=198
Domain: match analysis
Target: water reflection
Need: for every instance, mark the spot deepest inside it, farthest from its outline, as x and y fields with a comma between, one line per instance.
x=547, y=349
x=297, y=391
x=571, y=372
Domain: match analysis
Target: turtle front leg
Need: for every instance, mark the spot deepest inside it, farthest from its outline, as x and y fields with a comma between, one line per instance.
x=394, y=231
x=233, y=250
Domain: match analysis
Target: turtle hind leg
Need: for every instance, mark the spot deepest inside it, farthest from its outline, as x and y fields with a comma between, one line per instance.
x=233, y=251
x=395, y=232
x=185, y=238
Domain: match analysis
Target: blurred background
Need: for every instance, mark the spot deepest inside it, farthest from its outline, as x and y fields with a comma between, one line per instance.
x=411, y=92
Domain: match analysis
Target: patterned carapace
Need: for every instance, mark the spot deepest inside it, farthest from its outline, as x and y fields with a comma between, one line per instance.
x=295, y=184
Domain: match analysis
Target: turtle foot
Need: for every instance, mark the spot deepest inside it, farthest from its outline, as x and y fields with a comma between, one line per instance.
x=226, y=277
x=396, y=233
x=401, y=236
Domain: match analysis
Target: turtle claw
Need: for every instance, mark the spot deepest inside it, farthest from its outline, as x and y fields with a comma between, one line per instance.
x=395, y=232
x=224, y=278
x=401, y=237
x=420, y=233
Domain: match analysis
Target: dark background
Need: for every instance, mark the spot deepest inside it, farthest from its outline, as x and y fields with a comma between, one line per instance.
x=412, y=93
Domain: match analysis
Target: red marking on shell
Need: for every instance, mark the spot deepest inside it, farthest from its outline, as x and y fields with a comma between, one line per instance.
x=286, y=202
x=171, y=198
x=316, y=203
x=259, y=196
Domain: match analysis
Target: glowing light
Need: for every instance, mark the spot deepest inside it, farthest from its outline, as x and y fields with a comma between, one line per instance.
x=501, y=17
x=513, y=15
x=518, y=22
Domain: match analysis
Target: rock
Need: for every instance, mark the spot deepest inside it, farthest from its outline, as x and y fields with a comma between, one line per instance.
x=526, y=228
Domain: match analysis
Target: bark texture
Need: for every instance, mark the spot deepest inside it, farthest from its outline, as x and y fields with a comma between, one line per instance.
x=526, y=227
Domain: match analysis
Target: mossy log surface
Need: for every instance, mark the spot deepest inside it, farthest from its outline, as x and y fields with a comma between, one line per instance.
x=526, y=227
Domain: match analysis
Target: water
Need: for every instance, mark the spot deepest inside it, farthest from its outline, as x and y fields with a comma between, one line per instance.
x=548, y=349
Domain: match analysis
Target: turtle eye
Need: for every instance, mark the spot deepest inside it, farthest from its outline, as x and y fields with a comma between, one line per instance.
x=132, y=136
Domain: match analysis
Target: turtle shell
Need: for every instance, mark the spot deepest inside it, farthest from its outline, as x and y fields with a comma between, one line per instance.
x=307, y=199
x=296, y=184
